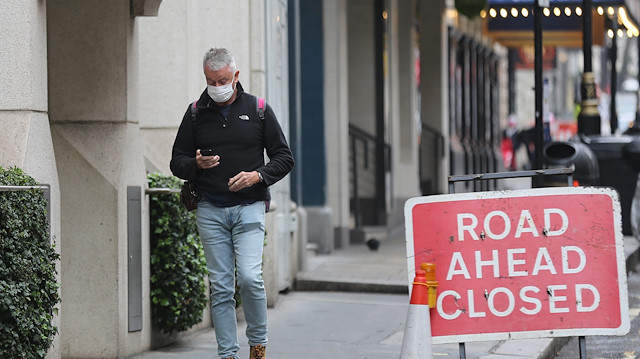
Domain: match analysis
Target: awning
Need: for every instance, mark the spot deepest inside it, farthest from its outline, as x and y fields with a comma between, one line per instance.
x=510, y=22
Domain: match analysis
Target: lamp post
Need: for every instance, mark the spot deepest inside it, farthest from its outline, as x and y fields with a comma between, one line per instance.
x=538, y=181
x=589, y=117
x=613, y=56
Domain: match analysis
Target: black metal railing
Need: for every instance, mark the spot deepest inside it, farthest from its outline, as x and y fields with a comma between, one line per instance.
x=364, y=193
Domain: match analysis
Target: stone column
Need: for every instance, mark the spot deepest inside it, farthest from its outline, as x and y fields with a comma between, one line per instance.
x=337, y=116
x=25, y=135
x=433, y=76
x=98, y=146
x=403, y=107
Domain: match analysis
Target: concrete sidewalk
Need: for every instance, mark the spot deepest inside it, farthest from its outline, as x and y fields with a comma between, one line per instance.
x=328, y=319
x=356, y=268
x=353, y=304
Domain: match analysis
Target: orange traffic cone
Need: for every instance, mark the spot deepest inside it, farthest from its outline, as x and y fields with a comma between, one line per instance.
x=416, y=343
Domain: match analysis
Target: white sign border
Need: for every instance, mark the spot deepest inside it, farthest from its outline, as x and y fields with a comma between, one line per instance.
x=620, y=257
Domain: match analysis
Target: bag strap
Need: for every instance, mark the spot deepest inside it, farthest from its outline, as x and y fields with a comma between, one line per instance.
x=261, y=103
x=194, y=110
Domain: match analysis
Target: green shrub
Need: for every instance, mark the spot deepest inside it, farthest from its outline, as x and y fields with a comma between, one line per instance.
x=28, y=283
x=178, y=266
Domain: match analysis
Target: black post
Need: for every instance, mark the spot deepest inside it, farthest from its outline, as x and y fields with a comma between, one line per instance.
x=589, y=117
x=380, y=179
x=587, y=35
x=613, y=119
x=512, y=79
x=356, y=198
x=538, y=181
x=582, y=346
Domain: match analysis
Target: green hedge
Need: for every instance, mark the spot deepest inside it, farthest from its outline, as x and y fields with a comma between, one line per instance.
x=28, y=277
x=178, y=266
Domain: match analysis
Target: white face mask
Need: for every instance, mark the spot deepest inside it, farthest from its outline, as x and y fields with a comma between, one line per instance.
x=221, y=93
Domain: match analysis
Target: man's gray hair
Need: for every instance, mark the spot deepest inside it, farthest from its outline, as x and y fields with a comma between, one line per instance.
x=217, y=58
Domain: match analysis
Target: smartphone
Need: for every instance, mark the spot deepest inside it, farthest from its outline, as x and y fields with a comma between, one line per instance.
x=208, y=152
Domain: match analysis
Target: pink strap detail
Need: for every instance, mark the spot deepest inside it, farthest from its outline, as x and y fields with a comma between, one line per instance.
x=260, y=102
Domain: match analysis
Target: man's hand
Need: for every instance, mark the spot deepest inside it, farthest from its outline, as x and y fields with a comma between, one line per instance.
x=205, y=162
x=243, y=180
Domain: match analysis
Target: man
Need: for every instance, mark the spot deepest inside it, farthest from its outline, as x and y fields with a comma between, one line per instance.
x=221, y=150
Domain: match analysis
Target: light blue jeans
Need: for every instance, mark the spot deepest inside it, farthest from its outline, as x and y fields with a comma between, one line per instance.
x=235, y=234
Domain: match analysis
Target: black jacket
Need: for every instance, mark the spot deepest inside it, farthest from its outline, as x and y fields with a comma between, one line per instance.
x=239, y=140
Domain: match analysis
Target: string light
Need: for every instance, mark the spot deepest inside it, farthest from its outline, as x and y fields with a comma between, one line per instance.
x=567, y=11
x=632, y=29
x=626, y=22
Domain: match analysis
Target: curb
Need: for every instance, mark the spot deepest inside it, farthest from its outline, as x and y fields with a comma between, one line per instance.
x=353, y=287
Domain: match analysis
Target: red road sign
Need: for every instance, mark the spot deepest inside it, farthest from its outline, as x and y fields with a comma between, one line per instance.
x=522, y=264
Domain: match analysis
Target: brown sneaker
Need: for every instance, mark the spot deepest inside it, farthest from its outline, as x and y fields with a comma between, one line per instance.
x=258, y=352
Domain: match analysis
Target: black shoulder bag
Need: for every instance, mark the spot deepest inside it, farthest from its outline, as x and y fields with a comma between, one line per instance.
x=189, y=196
